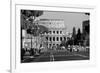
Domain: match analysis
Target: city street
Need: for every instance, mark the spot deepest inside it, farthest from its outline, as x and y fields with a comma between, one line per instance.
x=61, y=55
x=58, y=38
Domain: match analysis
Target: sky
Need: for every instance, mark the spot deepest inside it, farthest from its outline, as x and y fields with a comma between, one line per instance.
x=71, y=19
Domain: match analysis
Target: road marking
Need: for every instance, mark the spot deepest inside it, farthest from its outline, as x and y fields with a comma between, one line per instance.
x=52, y=57
x=81, y=55
x=63, y=55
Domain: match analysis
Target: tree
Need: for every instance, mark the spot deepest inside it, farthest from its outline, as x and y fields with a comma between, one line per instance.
x=74, y=32
x=79, y=34
x=69, y=42
x=27, y=19
x=63, y=43
x=78, y=40
x=73, y=35
x=87, y=13
x=28, y=16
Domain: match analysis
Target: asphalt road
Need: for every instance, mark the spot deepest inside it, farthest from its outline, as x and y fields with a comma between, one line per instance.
x=57, y=56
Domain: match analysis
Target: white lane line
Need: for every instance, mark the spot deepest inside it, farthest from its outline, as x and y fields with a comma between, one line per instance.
x=52, y=57
x=81, y=55
x=62, y=55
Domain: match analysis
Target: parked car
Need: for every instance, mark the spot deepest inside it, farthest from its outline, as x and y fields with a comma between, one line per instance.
x=75, y=49
x=63, y=48
x=87, y=48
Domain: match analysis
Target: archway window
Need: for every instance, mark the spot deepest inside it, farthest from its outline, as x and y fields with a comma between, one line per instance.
x=60, y=32
x=47, y=38
x=57, y=39
x=50, y=32
x=50, y=38
x=65, y=38
x=60, y=38
x=53, y=38
x=53, y=32
x=57, y=32
x=50, y=45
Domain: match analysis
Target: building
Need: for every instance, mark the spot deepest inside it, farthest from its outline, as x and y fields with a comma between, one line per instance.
x=57, y=33
x=30, y=41
x=86, y=32
x=86, y=27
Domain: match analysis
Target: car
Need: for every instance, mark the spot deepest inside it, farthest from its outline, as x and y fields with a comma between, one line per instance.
x=69, y=47
x=63, y=48
x=87, y=48
x=74, y=48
